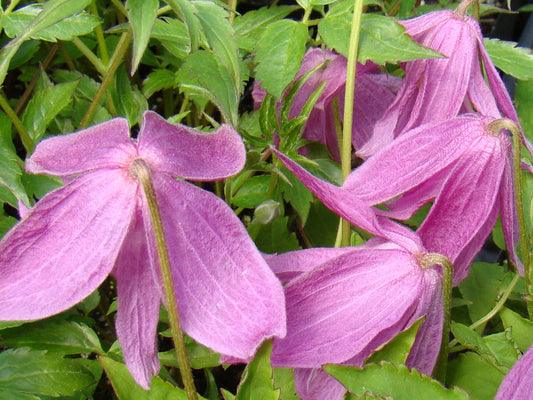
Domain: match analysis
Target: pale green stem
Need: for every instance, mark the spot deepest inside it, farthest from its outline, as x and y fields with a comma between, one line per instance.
x=93, y=59
x=116, y=60
x=100, y=36
x=232, y=5
x=462, y=9
x=346, y=146
x=426, y=261
x=27, y=141
x=307, y=13
x=120, y=7
x=516, y=133
x=141, y=171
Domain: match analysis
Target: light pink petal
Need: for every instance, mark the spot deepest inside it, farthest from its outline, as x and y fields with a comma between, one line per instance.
x=479, y=92
x=419, y=26
x=188, y=153
x=413, y=158
x=228, y=298
x=106, y=145
x=425, y=351
x=332, y=313
x=315, y=384
x=517, y=384
x=138, y=305
x=288, y=266
x=65, y=246
x=457, y=220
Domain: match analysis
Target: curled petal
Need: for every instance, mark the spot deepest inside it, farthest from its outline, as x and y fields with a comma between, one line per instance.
x=138, y=305
x=106, y=145
x=517, y=384
x=65, y=246
x=315, y=384
x=228, y=298
x=188, y=153
x=332, y=313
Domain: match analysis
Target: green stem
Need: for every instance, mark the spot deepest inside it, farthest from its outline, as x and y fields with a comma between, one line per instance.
x=439, y=372
x=116, y=60
x=346, y=146
x=100, y=36
x=140, y=170
x=93, y=59
x=27, y=141
x=516, y=133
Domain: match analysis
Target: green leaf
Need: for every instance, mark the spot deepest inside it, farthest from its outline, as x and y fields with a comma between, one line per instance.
x=199, y=356
x=10, y=169
x=55, y=335
x=127, y=389
x=397, y=350
x=227, y=395
x=256, y=382
x=273, y=237
x=173, y=35
x=503, y=348
x=45, y=106
x=157, y=80
x=219, y=34
x=65, y=29
x=25, y=371
x=203, y=70
x=513, y=60
x=252, y=192
x=284, y=380
x=475, y=375
x=142, y=15
x=129, y=102
x=481, y=288
x=250, y=26
x=296, y=194
x=188, y=14
x=521, y=328
x=394, y=380
x=524, y=105
x=280, y=51
x=381, y=40
x=321, y=225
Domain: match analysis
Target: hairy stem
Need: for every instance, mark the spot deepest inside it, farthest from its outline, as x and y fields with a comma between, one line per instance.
x=140, y=169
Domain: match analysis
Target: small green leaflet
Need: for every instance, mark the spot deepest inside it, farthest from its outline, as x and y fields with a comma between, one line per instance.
x=142, y=15
x=521, y=329
x=280, y=51
x=513, y=60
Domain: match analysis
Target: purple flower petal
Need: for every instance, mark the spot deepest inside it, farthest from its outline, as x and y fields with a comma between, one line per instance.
x=106, y=145
x=315, y=384
x=138, y=305
x=228, y=298
x=187, y=153
x=65, y=246
x=517, y=384
x=463, y=214
x=332, y=313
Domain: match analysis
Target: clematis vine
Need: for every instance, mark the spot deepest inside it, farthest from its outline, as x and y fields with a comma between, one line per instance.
x=333, y=315
x=374, y=93
x=100, y=224
x=442, y=88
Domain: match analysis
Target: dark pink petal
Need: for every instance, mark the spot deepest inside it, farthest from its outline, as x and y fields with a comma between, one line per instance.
x=315, y=384
x=517, y=384
x=479, y=93
x=463, y=214
x=228, y=298
x=138, y=305
x=288, y=266
x=332, y=312
x=413, y=158
x=185, y=152
x=106, y=145
x=425, y=351
x=65, y=246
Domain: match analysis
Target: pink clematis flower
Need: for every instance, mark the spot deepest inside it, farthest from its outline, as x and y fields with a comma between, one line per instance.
x=99, y=223
x=517, y=384
x=465, y=167
x=442, y=88
x=374, y=92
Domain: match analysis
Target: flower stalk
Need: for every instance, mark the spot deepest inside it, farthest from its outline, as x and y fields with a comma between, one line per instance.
x=140, y=169
x=346, y=145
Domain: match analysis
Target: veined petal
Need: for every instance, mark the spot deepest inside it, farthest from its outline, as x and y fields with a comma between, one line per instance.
x=413, y=158
x=418, y=27
x=457, y=219
x=65, y=246
x=138, y=305
x=315, y=384
x=517, y=384
x=185, y=152
x=228, y=298
x=332, y=312
x=106, y=145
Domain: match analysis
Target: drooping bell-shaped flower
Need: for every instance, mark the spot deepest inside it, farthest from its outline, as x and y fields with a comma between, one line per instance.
x=518, y=383
x=442, y=88
x=465, y=164
x=374, y=92
x=99, y=224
